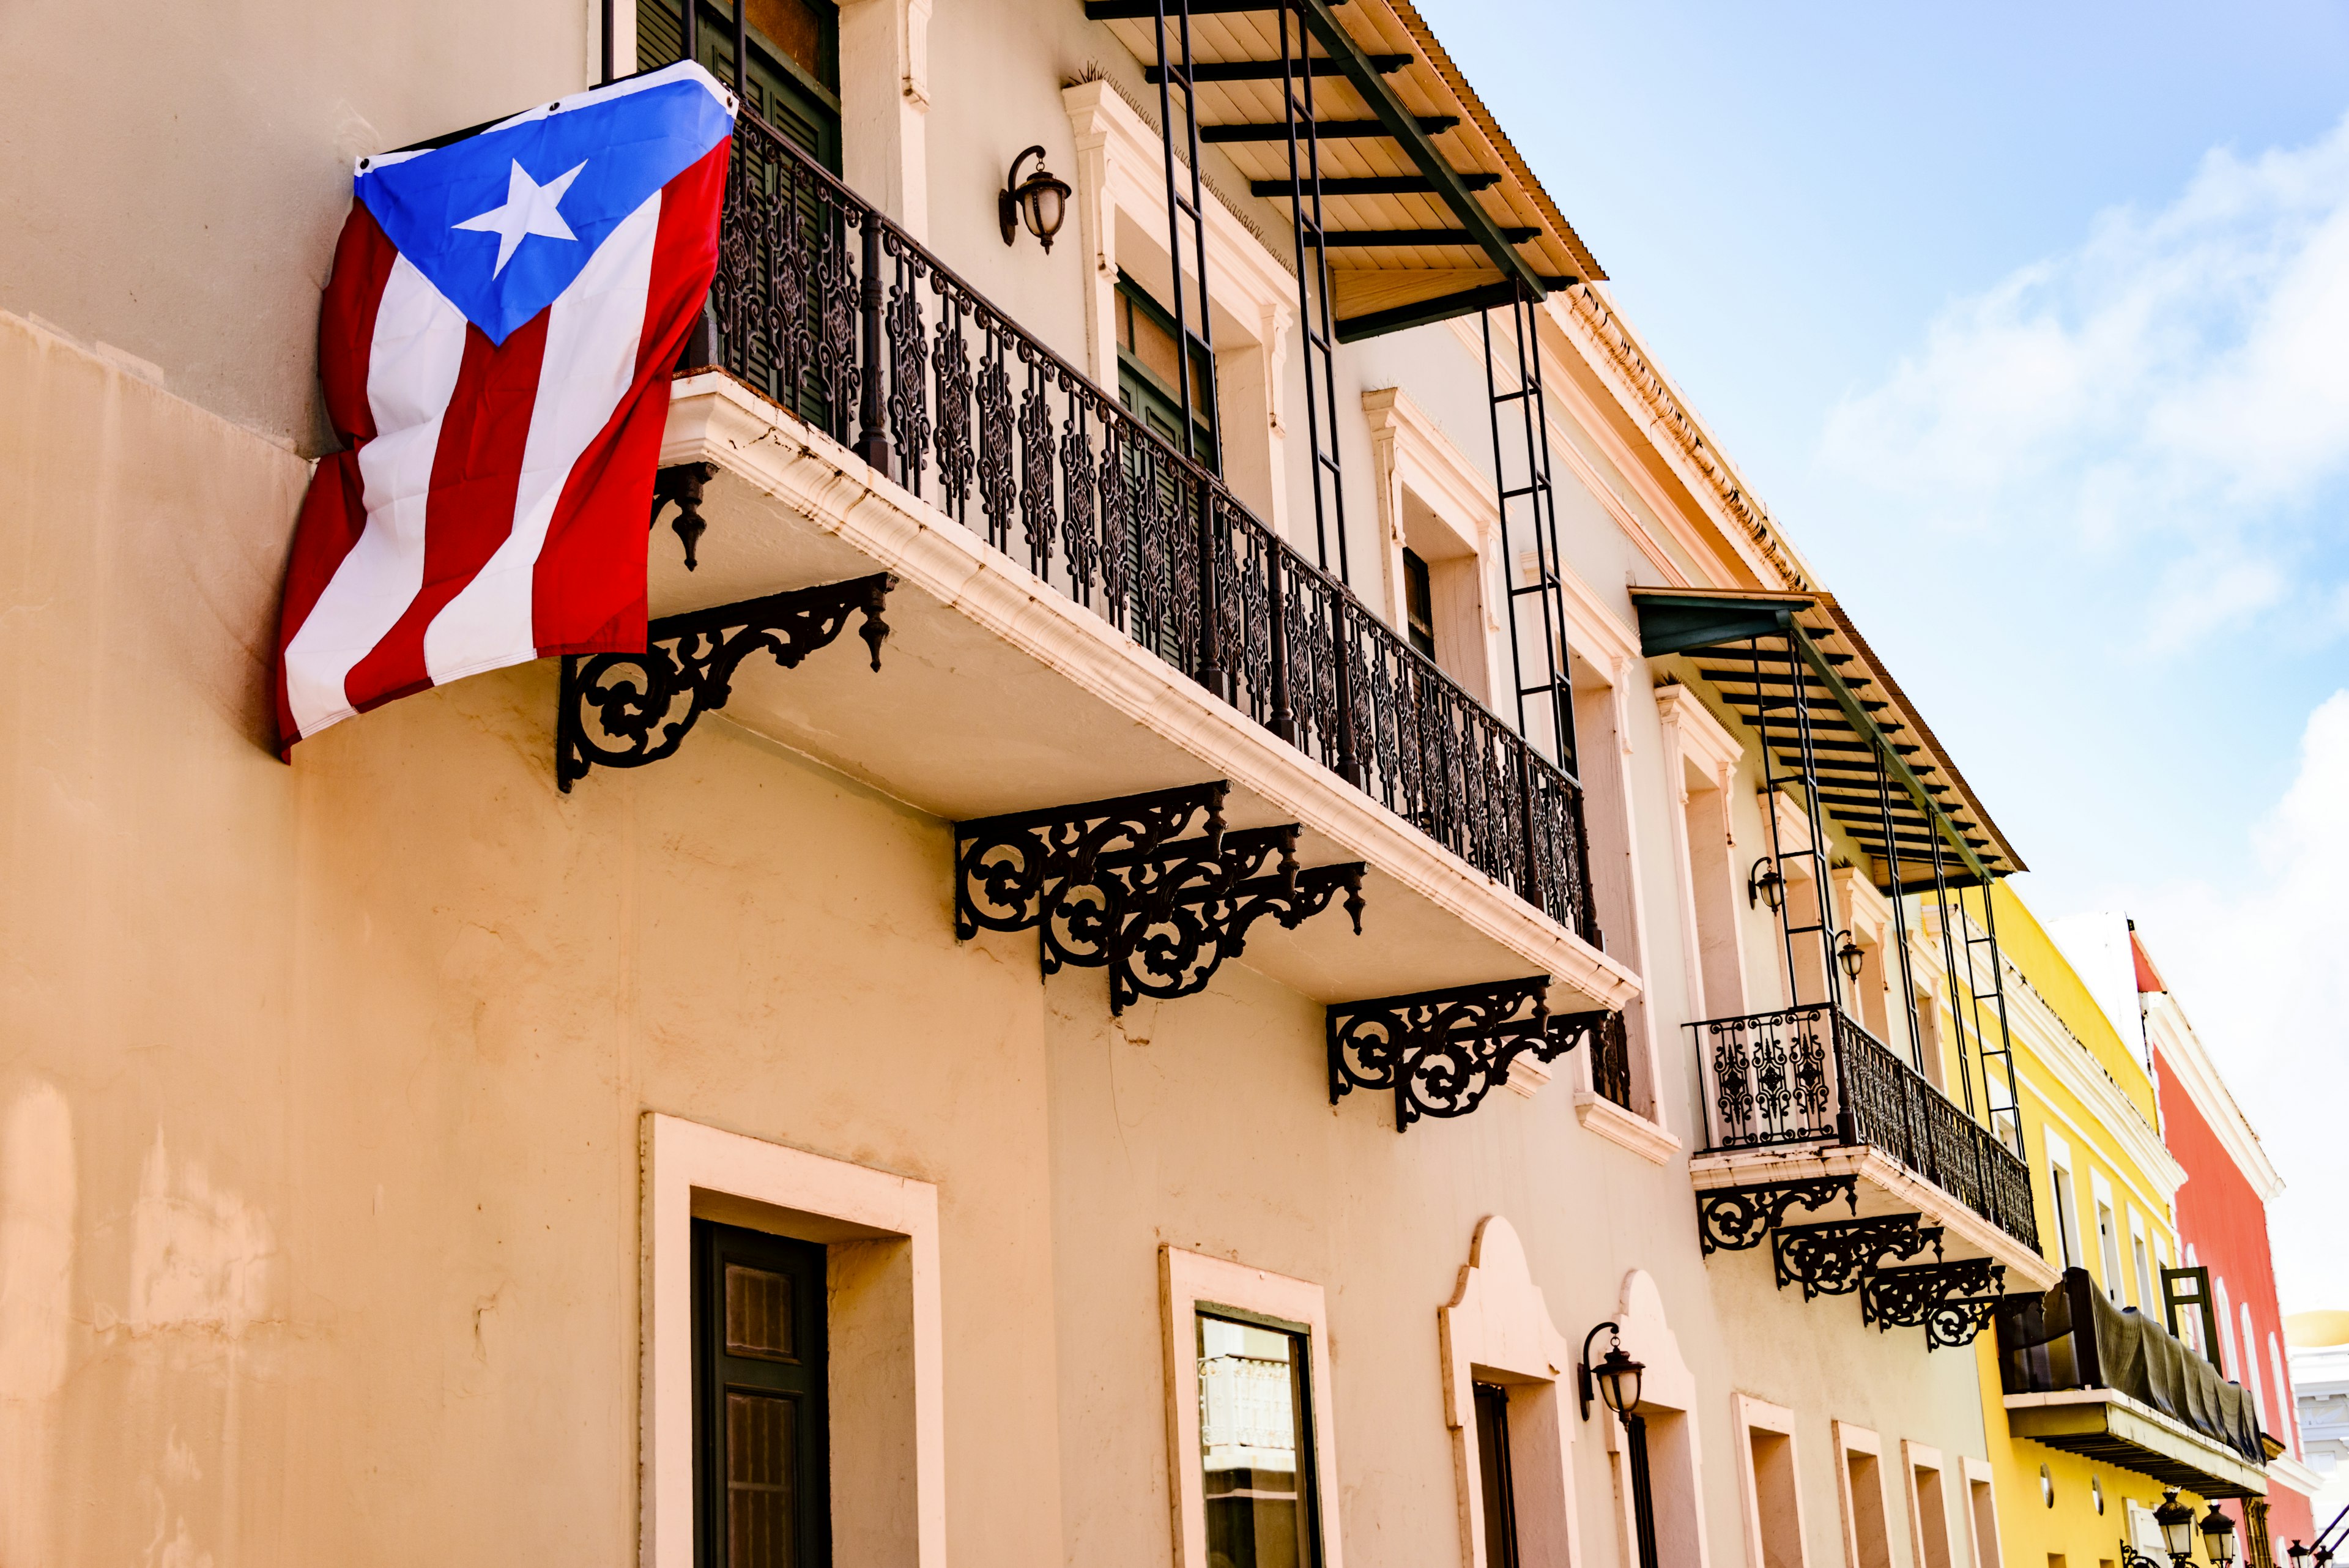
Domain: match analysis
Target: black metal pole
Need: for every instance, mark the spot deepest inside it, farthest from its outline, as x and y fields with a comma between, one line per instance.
x=607, y=20
x=688, y=37
x=872, y=440
x=1643, y=1495
x=1282, y=717
x=742, y=49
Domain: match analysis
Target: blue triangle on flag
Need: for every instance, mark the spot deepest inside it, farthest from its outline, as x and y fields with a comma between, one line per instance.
x=502, y=221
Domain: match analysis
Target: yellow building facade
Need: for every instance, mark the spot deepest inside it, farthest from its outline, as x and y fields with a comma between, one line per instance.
x=2104, y=1186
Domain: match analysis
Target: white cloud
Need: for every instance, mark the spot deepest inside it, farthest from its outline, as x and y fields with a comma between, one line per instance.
x=2264, y=975
x=2170, y=394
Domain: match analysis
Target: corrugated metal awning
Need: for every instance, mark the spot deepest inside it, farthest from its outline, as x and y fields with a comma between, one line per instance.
x=1739, y=642
x=1428, y=209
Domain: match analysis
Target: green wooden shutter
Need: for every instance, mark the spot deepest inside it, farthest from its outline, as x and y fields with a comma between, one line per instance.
x=761, y=1428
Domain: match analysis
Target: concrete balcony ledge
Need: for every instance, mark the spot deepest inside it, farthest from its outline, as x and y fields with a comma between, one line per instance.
x=2106, y=1423
x=997, y=693
x=1886, y=1186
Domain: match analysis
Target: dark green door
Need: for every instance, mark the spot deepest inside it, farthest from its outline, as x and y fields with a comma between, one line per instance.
x=761, y=1451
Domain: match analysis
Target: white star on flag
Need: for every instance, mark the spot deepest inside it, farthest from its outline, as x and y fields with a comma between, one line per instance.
x=530, y=209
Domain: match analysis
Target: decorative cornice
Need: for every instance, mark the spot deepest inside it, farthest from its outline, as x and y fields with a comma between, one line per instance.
x=2174, y=1036
x=1666, y=411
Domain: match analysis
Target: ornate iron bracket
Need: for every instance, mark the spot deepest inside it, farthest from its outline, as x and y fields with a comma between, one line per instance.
x=1831, y=1258
x=1151, y=887
x=626, y=710
x=1734, y=1218
x=1443, y=1052
x=681, y=484
x=1950, y=1302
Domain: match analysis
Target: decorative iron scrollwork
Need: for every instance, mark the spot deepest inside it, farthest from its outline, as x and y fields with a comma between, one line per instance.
x=1831, y=1258
x=626, y=710
x=1950, y=1302
x=1734, y=1218
x=681, y=484
x=1443, y=1052
x=1151, y=887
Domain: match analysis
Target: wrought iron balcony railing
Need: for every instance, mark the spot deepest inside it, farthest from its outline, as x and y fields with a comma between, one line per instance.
x=830, y=309
x=1812, y=1074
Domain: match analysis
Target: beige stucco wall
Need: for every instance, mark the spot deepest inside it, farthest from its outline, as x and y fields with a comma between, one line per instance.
x=319, y=1085
x=322, y=1081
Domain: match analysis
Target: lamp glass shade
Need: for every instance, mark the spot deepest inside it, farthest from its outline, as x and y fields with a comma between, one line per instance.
x=1617, y=1377
x=1043, y=205
x=2218, y=1538
x=2177, y=1522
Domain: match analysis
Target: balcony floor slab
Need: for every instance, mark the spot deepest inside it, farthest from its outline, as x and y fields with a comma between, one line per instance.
x=997, y=694
x=1886, y=1186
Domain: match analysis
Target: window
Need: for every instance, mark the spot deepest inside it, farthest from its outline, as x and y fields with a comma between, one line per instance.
x=2108, y=1240
x=1774, y=1503
x=1254, y=1443
x=2142, y=1256
x=1247, y=1374
x=1419, y=603
x=1929, y=1509
x=1982, y=1496
x=1499, y=1489
x=793, y=82
x=1704, y=757
x=1867, y=1532
x=762, y=1490
x=791, y=1313
x=2067, y=1202
x=1148, y=373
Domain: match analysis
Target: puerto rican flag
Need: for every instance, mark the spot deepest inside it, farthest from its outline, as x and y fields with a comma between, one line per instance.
x=495, y=345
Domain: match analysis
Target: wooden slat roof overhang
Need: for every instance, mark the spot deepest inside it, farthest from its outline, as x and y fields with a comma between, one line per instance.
x=1856, y=709
x=1427, y=209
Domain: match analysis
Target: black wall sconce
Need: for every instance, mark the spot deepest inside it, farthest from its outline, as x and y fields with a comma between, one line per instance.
x=1850, y=956
x=1767, y=885
x=1041, y=201
x=1617, y=1375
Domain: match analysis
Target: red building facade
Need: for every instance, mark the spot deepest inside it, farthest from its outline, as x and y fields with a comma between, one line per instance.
x=2222, y=1224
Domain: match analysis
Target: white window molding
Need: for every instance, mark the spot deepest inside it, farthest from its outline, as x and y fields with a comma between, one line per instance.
x=1121, y=201
x=1701, y=758
x=1981, y=1512
x=1434, y=500
x=880, y=1233
x=1608, y=672
x=1188, y=1282
x=1668, y=1396
x=1770, y=1471
x=884, y=107
x=1496, y=1329
x=1933, y=1543
x=1865, y=1506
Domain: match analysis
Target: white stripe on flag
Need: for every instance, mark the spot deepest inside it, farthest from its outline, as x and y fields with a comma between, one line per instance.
x=420, y=343
x=593, y=329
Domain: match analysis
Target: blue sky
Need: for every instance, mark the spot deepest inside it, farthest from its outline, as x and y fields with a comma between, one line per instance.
x=2032, y=325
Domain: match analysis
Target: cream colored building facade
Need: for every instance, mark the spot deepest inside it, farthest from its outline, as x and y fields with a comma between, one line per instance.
x=361, y=1119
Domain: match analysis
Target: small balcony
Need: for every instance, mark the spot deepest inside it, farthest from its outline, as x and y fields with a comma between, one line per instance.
x=1805, y=1110
x=1078, y=613
x=2082, y=1375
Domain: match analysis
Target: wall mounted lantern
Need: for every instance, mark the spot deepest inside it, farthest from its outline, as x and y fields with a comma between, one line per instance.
x=1617, y=1375
x=2177, y=1522
x=2218, y=1538
x=1850, y=956
x=1041, y=201
x=2298, y=1553
x=1767, y=885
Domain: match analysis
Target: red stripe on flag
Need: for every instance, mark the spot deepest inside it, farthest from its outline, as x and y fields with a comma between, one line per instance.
x=363, y=260
x=476, y=473
x=588, y=586
x=333, y=512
